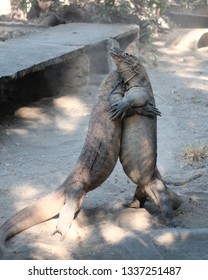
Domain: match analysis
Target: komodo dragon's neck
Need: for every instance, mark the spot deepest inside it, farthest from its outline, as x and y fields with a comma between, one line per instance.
x=133, y=75
x=134, y=79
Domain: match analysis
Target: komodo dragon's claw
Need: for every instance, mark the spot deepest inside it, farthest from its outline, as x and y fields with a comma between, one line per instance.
x=117, y=114
x=57, y=231
x=119, y=110
x=66, y=217
x=151, y=109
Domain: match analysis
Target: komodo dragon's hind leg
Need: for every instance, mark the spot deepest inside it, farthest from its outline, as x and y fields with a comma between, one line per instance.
x=75, y=195
x=138, y=199
x=158, y=192
x=175, y=199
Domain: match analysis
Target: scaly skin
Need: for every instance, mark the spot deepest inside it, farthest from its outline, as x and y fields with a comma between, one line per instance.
x=95, y=163
x=138, y=153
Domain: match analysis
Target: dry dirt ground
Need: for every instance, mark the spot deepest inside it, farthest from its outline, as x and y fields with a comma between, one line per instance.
x=40, y=145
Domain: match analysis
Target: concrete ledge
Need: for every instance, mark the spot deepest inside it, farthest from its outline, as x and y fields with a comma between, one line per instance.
x=57, y=60
x=189, y=20
x=56, y=44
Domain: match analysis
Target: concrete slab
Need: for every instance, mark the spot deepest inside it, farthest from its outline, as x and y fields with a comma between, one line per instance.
x=53, y=45
x=187, y=20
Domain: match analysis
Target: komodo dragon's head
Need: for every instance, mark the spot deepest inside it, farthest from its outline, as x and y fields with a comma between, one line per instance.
x=127, y=64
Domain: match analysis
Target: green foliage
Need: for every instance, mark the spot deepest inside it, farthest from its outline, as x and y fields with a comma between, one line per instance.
x=156, y=6
x=151, y=11
x=154, y=9
x=24, y=5
x=109, y=10
x=148, y=13
x=144, y=12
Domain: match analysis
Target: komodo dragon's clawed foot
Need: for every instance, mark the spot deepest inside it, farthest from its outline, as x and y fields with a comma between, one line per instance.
x=138, y=200
x=148, y=110
x=159, y=193
x=175, y=199
x=73, y=201
x=171, y=222
x=117, y=112
x=134, y=204
x=66, y=217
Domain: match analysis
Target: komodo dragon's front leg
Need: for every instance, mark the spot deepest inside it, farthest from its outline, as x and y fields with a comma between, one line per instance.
x=134, y=102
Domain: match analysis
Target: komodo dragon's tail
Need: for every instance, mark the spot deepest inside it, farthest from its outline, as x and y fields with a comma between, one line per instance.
x=42, y=210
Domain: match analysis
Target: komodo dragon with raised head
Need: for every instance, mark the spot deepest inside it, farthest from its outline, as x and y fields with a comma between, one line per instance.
x=138, y=154
x=95, y=163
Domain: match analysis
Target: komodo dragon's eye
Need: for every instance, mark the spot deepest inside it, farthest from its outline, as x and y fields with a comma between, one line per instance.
x=128, y=54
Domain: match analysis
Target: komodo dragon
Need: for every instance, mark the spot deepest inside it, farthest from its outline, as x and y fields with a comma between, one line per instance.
x=95, y=163
x=138, y=153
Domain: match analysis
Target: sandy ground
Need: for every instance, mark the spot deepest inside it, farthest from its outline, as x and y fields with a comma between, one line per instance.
x=40, y=145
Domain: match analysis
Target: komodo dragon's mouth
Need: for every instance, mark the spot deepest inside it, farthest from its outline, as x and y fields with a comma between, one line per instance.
x=120, y=55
